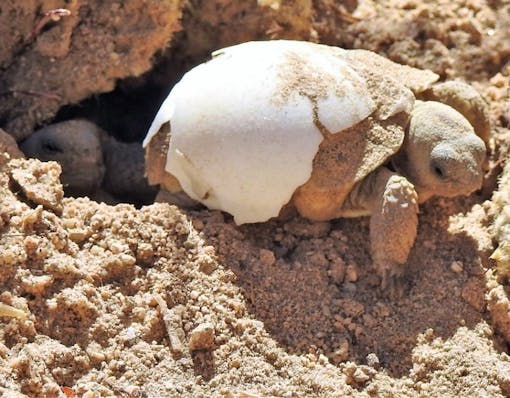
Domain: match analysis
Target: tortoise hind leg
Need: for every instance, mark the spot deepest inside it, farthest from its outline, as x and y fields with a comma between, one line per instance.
x=180, y=199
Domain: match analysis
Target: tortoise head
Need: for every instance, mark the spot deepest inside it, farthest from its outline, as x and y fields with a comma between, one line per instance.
x=76, y=146
x=441, y=155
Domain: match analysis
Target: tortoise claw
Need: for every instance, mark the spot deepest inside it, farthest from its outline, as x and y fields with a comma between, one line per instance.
x=393, y=283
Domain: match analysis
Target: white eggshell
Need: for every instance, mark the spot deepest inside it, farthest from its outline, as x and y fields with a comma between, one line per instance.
x=245, y=126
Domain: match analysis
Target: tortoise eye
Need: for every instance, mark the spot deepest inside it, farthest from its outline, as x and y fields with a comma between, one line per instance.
x=439, y=171
x=51, y=147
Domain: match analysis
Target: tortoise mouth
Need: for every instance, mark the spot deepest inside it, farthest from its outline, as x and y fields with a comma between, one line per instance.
x=447, y=190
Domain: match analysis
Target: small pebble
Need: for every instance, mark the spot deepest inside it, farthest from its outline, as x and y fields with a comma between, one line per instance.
x=78, y=235
x=373, y=360
x=10, y=311
x=337, y=271
x=267, y=257
x=130, y=333
x=339, y=326
x=202, y=337
x=3, y=350
x=382, y=310
x=457, y=267
x=318, y=259
x=360, y=376
x=351, y=273
x=341, y=354
x=349, y=287
x=206, y=264
x=198, y=224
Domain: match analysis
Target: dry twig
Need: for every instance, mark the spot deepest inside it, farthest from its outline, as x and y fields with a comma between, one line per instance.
x=173, y=323
x=52, y=15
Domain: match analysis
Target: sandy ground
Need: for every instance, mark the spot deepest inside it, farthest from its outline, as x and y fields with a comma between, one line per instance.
x=161, y=302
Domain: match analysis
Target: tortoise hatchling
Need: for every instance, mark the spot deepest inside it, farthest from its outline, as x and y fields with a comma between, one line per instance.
x=265, y=126
x=93, y=163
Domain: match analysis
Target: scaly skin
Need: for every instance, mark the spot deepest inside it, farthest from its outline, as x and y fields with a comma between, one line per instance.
x=393, y=227
x=392, y=203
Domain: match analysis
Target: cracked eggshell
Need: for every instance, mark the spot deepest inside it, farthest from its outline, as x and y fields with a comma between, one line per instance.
x=246, y=126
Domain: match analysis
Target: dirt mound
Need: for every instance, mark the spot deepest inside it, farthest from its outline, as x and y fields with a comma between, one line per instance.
x=120, y=301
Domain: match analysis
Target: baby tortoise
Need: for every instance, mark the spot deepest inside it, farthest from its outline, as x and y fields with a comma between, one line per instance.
x=265, y=126
x=93, y=163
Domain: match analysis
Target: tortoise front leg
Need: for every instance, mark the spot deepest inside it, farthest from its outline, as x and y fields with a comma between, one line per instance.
x=393, y=204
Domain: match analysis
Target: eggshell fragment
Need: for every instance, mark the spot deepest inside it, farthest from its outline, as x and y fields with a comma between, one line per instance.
x=245, y=126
